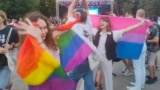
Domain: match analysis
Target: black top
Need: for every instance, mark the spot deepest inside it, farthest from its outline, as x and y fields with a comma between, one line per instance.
x=110, y=45
x=14, y=38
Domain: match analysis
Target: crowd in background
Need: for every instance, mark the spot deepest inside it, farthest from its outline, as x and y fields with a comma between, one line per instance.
x=101, y=78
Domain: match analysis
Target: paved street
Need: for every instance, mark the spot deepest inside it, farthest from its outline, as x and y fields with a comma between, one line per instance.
x=120, y=82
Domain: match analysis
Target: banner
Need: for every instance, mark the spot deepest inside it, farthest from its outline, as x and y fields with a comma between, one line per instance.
x=131, y=44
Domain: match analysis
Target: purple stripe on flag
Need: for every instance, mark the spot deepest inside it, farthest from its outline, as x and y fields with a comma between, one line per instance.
x=81, y=55
x=56, y=84
x=133, y=37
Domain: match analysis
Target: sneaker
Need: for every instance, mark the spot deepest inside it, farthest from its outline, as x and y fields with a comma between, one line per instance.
x=147, y=76
x=133, y=83
x=132, y=88
x=128, y=73
x=155, y=78
x=150, y=80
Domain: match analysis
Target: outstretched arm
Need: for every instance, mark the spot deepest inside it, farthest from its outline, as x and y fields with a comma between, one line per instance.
x=71, y=8
x=130, y=28
x=85, y=5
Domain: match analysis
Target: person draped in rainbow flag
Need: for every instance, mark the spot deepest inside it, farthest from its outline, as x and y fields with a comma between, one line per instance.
x=39, y=64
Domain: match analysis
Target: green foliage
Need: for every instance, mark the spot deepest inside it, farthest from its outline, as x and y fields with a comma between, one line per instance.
x=18, y=8
x=152, y=7
x=47, y=7
x=126, y=6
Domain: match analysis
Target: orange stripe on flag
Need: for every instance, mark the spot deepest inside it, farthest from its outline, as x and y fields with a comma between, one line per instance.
x=34, y=64
x=68, y=25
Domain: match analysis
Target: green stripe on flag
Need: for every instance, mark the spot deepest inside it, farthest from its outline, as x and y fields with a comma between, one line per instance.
x=65, y=39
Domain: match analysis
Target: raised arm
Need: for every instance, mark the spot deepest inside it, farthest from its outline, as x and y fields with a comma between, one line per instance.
x=130, y=28
x=85, y=5
x=71, y=8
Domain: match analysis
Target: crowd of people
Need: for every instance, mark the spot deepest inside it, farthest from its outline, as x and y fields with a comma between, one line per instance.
x=103, y=38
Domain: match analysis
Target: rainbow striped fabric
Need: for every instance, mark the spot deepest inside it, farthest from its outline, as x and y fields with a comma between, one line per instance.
x=35, y=65
x=39, y=69
x=131, y=44
x=55, y=83
x=74, y=49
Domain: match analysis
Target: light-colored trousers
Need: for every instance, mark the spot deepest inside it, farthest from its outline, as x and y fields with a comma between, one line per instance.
x=106, y=67
x=139, y=70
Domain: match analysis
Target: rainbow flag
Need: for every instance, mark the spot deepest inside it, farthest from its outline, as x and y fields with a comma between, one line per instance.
x=39, y=69
x=68, y=25
x=131, y=44
x=74, y=49
x=35, y=65
x=55, y=83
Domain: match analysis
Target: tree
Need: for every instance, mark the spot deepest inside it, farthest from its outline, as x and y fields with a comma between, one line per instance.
x=152, y=7
x=125, y=6
x=17, y=8
x=47, y=7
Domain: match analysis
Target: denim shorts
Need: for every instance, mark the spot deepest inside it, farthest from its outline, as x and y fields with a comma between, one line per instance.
x=5, y=74
x=79, y=71
x=151, y=58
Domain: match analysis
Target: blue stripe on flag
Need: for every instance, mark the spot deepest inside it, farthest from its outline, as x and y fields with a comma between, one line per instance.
x=70, y=50
x=128, y=50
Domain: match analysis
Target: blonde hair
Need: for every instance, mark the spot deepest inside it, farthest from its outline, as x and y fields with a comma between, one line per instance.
x=140, y=13
x=4, y=16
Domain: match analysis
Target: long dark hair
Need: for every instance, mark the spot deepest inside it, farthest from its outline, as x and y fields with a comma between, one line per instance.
x=49, y=40
x=83, y=15
x=106, y=19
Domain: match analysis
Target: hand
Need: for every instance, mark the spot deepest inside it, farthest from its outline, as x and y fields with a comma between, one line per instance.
x=2, y=50
x=143, y=21
x=7, y=46
x=29, y=29
x=77, y=14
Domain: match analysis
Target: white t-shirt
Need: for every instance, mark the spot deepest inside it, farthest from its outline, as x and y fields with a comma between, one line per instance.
x=103, y=36
x=84, y=29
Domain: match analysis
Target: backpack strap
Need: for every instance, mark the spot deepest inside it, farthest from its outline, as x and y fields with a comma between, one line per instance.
x=9, y=35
